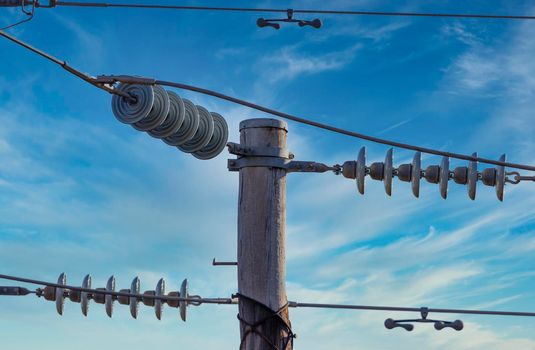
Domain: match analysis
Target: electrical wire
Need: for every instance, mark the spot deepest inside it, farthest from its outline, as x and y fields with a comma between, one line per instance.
x=412, y=309
x=103, y=82
x=118, y=294
x=304, y=11
x=27, y=13
x=293, y=304
x=64, y=65
x=344, y=131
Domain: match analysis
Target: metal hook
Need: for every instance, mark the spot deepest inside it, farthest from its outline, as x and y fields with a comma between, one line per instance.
x=224, y=263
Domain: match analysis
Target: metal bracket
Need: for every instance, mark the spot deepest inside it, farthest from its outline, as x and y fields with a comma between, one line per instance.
x=281, y=163
x=240, y=150
x=127, y=79
x=273, y=157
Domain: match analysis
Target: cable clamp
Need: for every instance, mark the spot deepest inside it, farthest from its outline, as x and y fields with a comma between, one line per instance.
x=127, y=79
x=51, y=4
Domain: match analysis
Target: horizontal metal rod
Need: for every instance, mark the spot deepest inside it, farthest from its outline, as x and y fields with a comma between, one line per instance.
x=224, y=263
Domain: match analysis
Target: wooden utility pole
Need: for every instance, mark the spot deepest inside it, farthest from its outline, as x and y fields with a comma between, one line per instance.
x=261, y=238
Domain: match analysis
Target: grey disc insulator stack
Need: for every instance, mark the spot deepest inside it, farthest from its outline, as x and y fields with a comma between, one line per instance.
x=435, y=174
x=101, y=296
x=176, y=121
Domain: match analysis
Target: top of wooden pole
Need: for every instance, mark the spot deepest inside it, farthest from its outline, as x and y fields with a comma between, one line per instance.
x=263, y=123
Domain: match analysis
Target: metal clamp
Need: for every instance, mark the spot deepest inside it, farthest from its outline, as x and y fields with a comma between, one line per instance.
x=281, y=163
x=240, y=150
x=517, y=178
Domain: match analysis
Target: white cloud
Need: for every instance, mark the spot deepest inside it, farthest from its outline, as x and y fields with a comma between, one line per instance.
x=289, y=63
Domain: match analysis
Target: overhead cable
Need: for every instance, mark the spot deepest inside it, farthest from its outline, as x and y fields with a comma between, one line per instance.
x=292, y=304
x=304, y=11
x=28, y=13
x=106, y=83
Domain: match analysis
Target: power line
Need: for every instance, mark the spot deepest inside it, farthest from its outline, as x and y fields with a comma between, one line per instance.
x=106, y=83
x=292, y=304
x=305, y=11
x=63, y=64
x=412, y=309
x=117, y=294
x=29, y=15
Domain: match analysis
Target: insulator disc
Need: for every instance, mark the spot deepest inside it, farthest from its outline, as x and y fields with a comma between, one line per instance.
x=84, y=299
x=416, y=174
x=158, y=113
x=134, y=289
x=444, y=177
x=188, y=128
x=174, y=119
x=184, y=293
x=158, y=303
x=361, y=170
x=110, y=287
x=500, y=179
x=132, y=112
x=388, y=171
x=217, y=142
x=203, y=134
x=60, y=297
x=472, y=178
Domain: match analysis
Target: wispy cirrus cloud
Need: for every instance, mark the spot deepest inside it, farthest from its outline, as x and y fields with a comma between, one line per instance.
x=290, y=62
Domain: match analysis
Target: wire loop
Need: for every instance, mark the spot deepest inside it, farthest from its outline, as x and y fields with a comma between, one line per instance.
x=252, y=328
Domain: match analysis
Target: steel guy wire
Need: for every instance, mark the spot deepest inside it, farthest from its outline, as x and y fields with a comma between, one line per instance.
x=292, y=304
x=106, y=83
x=304, y=11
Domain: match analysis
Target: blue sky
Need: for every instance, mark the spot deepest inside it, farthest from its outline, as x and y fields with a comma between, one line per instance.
x=81, y=193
